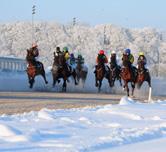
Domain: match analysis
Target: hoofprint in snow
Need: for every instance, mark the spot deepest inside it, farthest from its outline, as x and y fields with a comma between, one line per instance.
x=129, y=126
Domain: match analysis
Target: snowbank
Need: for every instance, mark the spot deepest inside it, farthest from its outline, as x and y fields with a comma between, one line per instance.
x=101, y=129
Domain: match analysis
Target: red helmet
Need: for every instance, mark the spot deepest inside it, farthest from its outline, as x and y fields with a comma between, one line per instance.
x=101, y=52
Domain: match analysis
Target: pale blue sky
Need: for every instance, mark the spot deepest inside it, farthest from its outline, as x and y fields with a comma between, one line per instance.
x=126, y=13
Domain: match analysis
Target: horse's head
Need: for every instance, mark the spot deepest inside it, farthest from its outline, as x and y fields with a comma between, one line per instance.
x=29, y=55
x=62, y=60
x=141, y=65
x=125, y=59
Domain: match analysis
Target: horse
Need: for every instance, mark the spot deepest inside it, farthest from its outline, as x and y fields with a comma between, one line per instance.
x=143, y=75
x=81, y=72
x=100, y=73
x=34, y=68
x=114, y=73
x=60, y=69
x=126, y=74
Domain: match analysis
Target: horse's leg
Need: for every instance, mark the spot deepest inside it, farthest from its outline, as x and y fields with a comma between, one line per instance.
x=64, y=85
x=44, y=76
x=54, y=81
x=96, y=82
x=32, y=80
x=120, y=81
x=133, y=87
x=126, y=86
x=99, y=87
x=149, y=80
x=74, y=76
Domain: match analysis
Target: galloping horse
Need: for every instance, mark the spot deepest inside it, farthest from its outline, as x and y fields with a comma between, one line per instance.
x=60, y=70
x=34, y=68
x=81, y=71
x=143, y=75
x=100, y=73
x=126, y=74
x=114, y=73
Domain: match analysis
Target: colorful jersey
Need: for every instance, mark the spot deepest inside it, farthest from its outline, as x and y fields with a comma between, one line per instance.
x=131, y=58
x=67, y=56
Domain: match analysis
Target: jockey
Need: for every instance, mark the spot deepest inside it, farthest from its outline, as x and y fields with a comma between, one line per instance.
x=58, y=51
x=101, y=58
x=142, y=58
x=112, y=59
x=130, y=56
x=35, y=52
x=131, y=61
x=66, y=53
x=67, y=58
x=56, y=55
x=80, y=58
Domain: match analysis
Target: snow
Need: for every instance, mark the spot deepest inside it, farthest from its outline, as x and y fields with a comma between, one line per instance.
x=131, y=126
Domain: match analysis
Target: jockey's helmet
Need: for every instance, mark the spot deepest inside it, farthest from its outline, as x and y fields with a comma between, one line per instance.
x=127, y=51
x=113, y=52
x=65, y=49
x=101, y=52
x=141, y=53
x=57, y=49
x=34, y=45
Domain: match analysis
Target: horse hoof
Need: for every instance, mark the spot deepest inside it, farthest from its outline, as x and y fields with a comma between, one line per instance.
x=96, y=85
x=46, y=82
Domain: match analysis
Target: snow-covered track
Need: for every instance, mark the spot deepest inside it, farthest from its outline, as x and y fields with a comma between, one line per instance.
x=20, y=102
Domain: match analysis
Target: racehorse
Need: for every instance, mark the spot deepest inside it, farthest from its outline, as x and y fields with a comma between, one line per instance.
x=100, y=74
x=143, y=75
x=114, y=74
x=81, y=72
x=61, y=70
x=126, y=74
x=34, y=68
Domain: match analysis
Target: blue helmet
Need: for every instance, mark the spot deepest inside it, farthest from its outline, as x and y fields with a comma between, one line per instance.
x=127, y=51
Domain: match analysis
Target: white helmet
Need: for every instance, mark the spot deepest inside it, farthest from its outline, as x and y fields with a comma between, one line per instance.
x=113, y=52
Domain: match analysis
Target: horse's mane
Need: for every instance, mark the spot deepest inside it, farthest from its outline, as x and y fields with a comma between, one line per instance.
x=100, y=60
x=29, y=56
x=125, y=60
x=61, y=59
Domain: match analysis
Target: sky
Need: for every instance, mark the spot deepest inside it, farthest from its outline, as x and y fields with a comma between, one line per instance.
x=125, y=13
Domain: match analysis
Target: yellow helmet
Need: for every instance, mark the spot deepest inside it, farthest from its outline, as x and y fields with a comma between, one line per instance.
x=141, y=53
